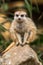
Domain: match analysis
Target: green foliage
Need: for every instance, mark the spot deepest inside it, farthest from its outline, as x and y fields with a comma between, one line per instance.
x=30, y=7
x=2, y=29
x=4, y=7
x=39, y=40
x=4, y=43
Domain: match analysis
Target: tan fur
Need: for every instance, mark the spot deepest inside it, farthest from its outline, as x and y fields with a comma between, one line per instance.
x=28, y=28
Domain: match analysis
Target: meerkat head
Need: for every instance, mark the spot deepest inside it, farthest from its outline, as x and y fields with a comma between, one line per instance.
x=20, y=16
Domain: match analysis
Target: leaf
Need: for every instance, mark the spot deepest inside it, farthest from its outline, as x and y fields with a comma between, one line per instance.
x=29, y=7
x=5, y=6
x=2, y=29
x=37, y=8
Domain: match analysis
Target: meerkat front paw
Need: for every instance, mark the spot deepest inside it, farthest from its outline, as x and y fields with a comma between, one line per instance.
x=17, y=43
x=23, y=44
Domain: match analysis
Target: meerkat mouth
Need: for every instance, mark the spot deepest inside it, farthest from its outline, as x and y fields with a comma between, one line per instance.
x=20, y=21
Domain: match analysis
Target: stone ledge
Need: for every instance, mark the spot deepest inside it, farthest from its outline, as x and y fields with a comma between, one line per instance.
x=20, y=55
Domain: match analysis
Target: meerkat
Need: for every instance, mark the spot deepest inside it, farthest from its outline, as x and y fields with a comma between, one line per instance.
x=23, y=30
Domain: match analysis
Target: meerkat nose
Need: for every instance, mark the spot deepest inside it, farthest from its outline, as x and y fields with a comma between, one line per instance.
x=19, y=18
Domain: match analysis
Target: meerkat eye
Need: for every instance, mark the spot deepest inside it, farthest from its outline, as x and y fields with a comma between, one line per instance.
x=17, y=15
x=22, y=15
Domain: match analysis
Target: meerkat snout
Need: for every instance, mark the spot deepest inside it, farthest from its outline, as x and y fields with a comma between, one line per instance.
x=19, y=18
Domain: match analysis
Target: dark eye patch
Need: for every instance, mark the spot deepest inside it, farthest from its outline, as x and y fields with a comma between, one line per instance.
x=22, y=15
x=17, y=15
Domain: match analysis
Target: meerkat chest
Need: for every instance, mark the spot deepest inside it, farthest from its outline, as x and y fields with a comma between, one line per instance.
x=21, y=28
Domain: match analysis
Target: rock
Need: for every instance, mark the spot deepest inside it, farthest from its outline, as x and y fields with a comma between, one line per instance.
x=1, y=60
x=21, y=55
